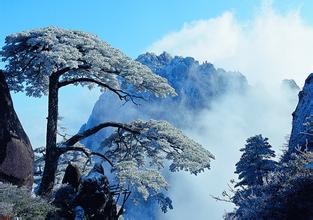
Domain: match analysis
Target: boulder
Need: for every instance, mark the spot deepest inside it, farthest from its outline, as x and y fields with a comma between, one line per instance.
x=93, y=200
x=16, y=154
x=72, y=175
x=302, y=119
x=94, y=196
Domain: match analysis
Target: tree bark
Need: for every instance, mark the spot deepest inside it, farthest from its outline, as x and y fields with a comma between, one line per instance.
x=52, y=154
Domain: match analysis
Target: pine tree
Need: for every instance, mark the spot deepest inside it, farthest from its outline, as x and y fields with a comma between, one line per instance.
x=256, y=161
x=43, y=61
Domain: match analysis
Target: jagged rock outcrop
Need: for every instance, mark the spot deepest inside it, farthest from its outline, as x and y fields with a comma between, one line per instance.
x=301, y=117
x=197, y=86
x=16, y=154
x=72, y=175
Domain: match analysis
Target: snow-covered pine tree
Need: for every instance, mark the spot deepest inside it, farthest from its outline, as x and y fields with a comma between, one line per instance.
x=286, y=195
x=43, y=61
x=256, y=161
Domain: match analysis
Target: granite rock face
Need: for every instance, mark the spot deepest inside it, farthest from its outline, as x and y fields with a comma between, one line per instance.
x=303, y=118
x=16, y=154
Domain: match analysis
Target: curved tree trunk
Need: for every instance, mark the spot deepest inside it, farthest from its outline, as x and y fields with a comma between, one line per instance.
x=52, y=154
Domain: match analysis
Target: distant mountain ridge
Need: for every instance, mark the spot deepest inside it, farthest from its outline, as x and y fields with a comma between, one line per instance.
x=194, y=83
x=197, y=86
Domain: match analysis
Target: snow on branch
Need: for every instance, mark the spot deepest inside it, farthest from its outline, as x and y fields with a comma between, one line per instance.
x=31, y=57
x=139, y=157
x=71, y=143
x=139, y=150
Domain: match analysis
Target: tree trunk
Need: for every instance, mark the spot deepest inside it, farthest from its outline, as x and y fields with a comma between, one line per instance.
x=52, y=154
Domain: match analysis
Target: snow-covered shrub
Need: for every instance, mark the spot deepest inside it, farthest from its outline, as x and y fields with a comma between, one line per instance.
x=19, y=202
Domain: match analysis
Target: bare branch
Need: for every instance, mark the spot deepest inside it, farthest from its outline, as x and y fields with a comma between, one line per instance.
x=120, y=93
x=306, y=133
x=126, y=196
x=86, y=151
x=80, y=136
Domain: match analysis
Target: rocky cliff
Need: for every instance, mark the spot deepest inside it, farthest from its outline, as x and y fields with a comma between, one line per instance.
x=16, y=154
x=302, y=117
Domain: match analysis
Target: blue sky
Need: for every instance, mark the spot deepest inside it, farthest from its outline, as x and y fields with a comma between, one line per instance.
x=133, y=26
x=129, y=25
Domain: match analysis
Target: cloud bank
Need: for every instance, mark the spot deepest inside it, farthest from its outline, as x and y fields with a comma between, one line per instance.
x=267, y=48
x=223, y=129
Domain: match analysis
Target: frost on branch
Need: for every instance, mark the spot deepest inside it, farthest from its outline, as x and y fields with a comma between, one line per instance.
x=144, y=180
x=139, y=156
x=32, y=56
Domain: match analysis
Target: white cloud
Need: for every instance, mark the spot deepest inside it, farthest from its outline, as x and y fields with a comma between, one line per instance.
x=223, y=130
x=267, y=48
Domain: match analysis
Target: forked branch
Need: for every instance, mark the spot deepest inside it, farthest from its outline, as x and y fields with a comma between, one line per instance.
x=68, y=145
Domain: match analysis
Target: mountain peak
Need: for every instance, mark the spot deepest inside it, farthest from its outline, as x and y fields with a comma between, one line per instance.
x=290, y=84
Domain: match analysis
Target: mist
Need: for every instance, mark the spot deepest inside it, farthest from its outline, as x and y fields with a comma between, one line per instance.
x=268, y=48
x=223, y=129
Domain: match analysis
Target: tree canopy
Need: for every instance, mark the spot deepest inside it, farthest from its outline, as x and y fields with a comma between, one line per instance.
x=42, y=61
x=78, y=58
x=139, y=157
x=286, y=195
x=138, y=151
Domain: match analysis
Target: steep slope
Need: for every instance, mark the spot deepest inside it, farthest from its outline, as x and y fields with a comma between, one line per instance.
x=302, y=115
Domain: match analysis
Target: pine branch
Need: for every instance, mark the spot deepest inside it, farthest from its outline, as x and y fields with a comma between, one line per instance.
x=80, y=136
